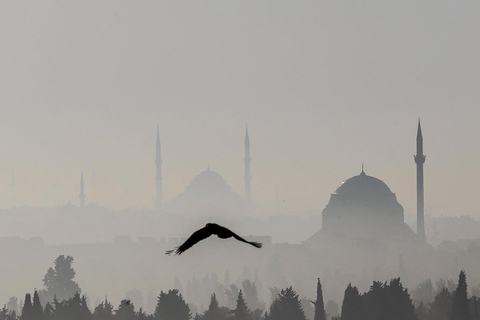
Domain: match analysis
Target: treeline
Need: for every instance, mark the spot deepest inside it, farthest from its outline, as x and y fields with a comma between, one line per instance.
x=62, y=300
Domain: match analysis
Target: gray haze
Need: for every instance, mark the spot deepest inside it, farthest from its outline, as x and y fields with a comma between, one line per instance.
x=324, y=86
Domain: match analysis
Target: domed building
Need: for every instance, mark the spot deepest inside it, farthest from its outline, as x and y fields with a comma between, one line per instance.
x=364, y=207
x=208, y=194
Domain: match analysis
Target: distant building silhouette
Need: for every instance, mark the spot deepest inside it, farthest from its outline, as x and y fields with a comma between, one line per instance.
x=158, y=178
x=364, y=207
x=420, y=160
x=210, y=194
x=248, y=177
x=82, y=191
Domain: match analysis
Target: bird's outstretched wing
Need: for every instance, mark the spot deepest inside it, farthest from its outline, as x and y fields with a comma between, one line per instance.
x=255, y=244
x=197, y=236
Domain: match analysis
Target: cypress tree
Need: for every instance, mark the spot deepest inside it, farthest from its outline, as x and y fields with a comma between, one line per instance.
x=352, y=304
x=213, y=312
x=37, y=310
x=241, y=312
x=27, y=311
x=460, y=305
x=319, y=306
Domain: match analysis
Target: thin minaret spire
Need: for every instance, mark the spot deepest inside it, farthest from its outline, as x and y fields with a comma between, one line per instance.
x=82, y=191
x=158, y=178
x=420, y=160
x=248, y=177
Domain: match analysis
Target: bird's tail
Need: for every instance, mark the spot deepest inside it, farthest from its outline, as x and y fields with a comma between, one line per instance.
x=256, y=244
x=174, y=252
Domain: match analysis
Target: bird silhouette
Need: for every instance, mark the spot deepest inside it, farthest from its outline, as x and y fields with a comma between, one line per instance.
x=204, y=233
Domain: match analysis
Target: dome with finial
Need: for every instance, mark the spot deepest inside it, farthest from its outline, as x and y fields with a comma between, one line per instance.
x=364, y=207
x=362, y=185
x=207, y=194
x=208, y=183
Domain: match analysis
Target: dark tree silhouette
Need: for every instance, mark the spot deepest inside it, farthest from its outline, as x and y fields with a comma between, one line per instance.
x=37, y=310
x=287, y=306
x=374, y=302
x=104, y=311
x=422, y=312
x=388, y=301
x=59, y=311
x=204, y=233
x=460, y=304
x=27, y=310
x=474, y=308
x=4, y=313
x=241, y=312
x=76, y=308
x=85, y=313
x=141, y=315
x=171, y=306
x=319, y=306
x=125, y=311
x=58, y=281
x=214, y=312
x=352, y=304
x=48, y=311
x=441, y=306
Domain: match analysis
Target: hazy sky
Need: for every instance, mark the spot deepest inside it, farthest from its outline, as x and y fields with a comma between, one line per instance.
x=323, y=85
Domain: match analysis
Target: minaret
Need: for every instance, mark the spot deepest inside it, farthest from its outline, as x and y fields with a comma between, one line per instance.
x=158, y=178
x=248, y=177
x=420, y=160
x=82, y=192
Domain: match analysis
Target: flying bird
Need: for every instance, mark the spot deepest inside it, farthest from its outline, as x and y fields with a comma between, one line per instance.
x=204, y=233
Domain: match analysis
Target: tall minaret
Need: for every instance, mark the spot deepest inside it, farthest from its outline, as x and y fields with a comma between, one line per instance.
x=158, y=178
x=420, y=160
x=248, y=177
x=82, y=192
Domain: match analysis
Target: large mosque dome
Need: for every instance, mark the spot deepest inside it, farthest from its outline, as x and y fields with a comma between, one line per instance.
x=208, y=184
x=363, y=185
x=208, y=194
x=364, y=207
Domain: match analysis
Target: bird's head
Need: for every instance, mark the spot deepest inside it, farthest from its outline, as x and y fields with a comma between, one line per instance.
x=209, y=225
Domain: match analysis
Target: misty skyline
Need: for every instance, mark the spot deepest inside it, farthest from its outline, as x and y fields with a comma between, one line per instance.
x=322, y=87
